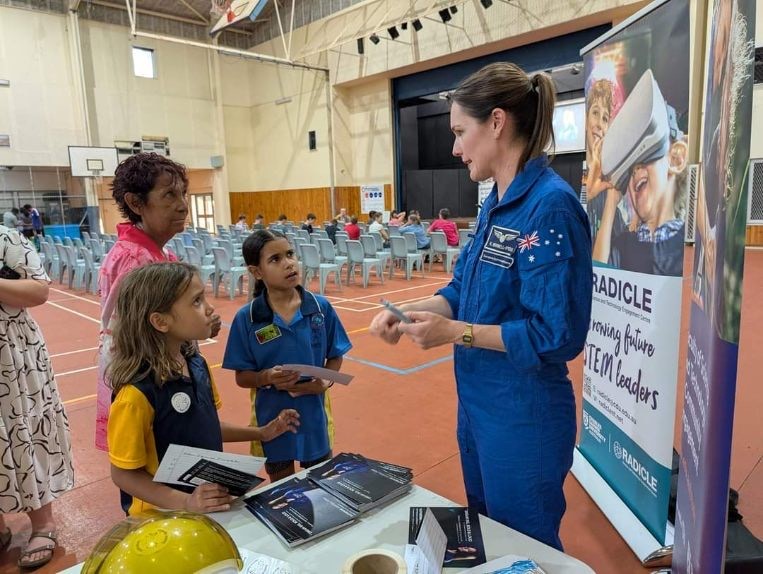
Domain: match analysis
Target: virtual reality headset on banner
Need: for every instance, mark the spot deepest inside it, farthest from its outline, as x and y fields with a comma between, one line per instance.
x=640, y=133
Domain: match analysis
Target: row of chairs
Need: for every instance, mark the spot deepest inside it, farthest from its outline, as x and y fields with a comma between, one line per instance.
x=73, y=259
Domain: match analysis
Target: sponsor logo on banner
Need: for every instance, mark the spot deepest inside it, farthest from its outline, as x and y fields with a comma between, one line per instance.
x=632, y=463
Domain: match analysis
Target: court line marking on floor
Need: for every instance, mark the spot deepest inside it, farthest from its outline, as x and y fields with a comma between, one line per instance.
x=333, y=298
x=75, y=371
x=375, y=306
x=358, y=330
x=397, y=371
x=73, y=352
x=73, y=296
x=79, y=399
x=439, y=281
x=74, y=312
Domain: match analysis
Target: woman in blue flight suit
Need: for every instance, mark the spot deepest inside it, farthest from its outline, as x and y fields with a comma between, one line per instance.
x=517, y=308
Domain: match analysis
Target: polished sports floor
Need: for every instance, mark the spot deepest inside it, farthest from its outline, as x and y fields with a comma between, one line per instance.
x=401, y=407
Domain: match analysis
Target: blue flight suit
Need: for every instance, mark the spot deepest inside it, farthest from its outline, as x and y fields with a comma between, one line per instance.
x=528, y=269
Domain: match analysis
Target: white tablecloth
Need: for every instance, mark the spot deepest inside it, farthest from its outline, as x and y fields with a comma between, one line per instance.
x=385, y=527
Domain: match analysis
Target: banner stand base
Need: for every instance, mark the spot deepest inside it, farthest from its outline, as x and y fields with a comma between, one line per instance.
x=635, y=534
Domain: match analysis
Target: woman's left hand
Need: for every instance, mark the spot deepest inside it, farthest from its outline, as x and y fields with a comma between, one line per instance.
x=217, y=324
x=430, y=329
x=311, y=387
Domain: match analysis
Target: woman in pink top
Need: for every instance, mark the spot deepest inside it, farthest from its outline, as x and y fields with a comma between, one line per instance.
x=447, y=226
x=150, y=191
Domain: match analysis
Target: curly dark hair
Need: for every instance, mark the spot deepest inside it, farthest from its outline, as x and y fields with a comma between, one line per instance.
x=139, y=174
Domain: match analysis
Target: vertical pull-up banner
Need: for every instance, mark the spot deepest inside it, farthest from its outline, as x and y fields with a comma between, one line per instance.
x=637, y=102
x=711, y=364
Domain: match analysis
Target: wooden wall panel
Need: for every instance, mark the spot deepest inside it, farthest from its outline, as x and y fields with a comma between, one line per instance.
x=296, y=203
x=754, y=235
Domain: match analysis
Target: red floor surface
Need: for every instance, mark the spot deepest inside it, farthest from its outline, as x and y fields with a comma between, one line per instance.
x=407, y=417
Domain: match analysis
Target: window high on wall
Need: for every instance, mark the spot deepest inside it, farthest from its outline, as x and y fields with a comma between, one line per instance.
x=143, y=62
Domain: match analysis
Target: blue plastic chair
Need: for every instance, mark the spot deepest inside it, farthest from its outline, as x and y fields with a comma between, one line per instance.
x=224, y=268
x=399, y=252
x=440, y=246
x=357, y=256
x=311, y=261
x=206, y=271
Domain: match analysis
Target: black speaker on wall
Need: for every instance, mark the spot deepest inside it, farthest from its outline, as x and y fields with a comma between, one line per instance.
x=311, y=140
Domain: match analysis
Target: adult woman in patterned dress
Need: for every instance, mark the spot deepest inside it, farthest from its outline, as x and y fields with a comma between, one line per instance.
x=35, y=451
x=151, y=192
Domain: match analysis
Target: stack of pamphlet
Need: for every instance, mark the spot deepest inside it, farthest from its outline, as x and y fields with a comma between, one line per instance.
x=332, y=496
x=362, y=483
x=297, y=511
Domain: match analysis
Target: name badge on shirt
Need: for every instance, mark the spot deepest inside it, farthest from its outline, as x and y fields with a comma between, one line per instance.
x=267, y=333
x=500, y=247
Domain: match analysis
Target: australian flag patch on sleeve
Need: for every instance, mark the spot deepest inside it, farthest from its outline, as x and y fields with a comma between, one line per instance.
x=547, y=244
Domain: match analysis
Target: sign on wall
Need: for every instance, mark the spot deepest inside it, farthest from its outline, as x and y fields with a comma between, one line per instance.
x=371, y=197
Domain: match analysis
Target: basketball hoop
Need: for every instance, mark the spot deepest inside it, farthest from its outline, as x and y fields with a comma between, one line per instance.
x=219, y=7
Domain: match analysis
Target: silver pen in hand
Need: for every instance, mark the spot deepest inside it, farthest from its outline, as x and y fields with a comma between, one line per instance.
x=395, y=311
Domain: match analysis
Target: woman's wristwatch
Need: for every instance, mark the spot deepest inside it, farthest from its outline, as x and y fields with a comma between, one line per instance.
x=467, y=337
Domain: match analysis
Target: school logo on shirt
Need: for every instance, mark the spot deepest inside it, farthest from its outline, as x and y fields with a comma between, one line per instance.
x=500, y=247
x=267, y=333
x=181, y=402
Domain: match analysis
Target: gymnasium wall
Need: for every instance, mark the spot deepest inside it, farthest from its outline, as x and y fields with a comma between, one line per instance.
x=267, y=142
x=179, y=103
x=38, y=109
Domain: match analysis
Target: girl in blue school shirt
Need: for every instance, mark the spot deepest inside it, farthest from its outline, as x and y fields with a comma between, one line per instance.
x=285, y=324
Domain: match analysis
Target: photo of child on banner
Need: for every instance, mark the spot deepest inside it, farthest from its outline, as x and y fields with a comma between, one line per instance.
x=644, y=158
x=721, y=213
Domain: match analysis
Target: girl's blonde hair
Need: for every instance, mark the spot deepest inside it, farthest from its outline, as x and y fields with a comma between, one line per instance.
x=138, y=348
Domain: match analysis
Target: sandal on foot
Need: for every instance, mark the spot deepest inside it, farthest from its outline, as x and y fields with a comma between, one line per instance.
x=5, y=539
x=46, y=550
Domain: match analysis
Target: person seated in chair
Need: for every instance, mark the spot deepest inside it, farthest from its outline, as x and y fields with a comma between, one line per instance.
x=414, y=226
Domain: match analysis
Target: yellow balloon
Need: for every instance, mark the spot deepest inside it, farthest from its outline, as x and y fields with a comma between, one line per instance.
x=165, y=541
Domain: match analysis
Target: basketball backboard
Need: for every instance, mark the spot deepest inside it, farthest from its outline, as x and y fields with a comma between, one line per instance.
x=93, y=161
x=237, y=11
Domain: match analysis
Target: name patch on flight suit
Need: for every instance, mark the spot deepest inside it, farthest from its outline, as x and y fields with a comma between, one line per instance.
x=500, y=247
x=267, y=333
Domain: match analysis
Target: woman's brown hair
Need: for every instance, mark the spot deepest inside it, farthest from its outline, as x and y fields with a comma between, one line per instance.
x=141, y=173
x=529, y=100
x=138, y=348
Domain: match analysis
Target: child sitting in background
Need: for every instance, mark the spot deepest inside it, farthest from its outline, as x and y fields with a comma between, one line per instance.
x=447, y=226
x=285, y=324
x=163, y=389
x=414, y=226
